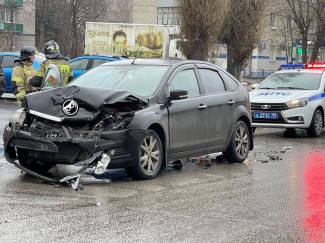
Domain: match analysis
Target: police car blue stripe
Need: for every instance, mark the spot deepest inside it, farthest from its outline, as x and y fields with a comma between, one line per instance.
x=318, y=96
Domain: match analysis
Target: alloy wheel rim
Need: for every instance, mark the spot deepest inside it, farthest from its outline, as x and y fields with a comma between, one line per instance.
x=241, y=140
x=149, y=155
x=319, y=123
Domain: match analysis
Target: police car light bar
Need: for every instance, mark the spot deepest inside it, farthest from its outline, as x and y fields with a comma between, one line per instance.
x=292, y=66
x=315, y=65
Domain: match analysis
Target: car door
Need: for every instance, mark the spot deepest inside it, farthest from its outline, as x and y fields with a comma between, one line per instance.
x=188, y=118
x=220, y=103
x=7, y=66
x=79, y=66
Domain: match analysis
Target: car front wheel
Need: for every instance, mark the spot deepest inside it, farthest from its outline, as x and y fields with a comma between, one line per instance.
x=150, y=157
x=316, y=125
x=239, y=144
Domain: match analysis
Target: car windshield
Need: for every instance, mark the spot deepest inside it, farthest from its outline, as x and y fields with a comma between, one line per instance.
x=138, y=79
x=302, y=81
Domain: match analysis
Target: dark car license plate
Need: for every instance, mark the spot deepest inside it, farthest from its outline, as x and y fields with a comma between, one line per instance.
x=266, y=115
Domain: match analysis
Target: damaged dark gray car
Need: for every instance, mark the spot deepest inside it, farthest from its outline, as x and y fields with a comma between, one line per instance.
x=135, y=114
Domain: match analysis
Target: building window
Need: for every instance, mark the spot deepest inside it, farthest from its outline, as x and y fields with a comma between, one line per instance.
x=272, y=21
x=167, y=16
x=5, y=15
x=272, y=53
x=289, y=22
x=2, y=15
x=312, y=27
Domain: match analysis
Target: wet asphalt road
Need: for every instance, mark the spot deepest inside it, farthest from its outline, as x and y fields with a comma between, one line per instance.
x=272, y=197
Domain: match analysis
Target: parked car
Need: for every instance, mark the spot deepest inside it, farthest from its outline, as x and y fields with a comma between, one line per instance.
x=291, y=98
x=7, y=63
x=134, y=114
x=83, y=63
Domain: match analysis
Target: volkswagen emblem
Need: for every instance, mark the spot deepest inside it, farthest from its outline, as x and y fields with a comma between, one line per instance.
x=265, y=107
x=70, y=107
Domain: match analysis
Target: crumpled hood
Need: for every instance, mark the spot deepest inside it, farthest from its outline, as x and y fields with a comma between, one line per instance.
x=277, y=95
x=90, y=101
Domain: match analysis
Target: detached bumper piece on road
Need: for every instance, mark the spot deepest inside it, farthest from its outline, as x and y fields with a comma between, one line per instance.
x=37, y=146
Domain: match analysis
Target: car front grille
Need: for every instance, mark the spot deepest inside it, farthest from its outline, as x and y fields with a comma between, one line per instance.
x=268, y=107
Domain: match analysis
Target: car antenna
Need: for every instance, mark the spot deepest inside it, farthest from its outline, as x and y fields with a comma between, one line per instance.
x=133, y=60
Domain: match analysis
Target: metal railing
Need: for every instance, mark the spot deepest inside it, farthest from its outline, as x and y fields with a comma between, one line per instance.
x=259, y=73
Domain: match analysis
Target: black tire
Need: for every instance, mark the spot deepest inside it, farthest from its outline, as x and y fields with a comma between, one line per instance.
x=316, y=125
x=239, y=144
x=253, y=129
x=147, y=167
x=31, y=163
x=289, y=133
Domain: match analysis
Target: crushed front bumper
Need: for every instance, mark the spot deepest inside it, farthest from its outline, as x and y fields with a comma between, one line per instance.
x=67, y=146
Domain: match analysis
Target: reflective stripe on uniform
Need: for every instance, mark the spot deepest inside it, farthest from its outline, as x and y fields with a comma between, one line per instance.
x=17, y=79
x=21, y=94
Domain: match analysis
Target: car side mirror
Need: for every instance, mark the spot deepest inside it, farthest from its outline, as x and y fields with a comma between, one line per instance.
x=178, y=94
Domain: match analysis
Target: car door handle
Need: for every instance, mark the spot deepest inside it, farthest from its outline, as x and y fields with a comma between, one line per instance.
x=231, y=102
x=201, y=106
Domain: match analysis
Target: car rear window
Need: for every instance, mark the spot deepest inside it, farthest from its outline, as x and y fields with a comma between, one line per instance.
x=97, y=62
x=8, y=61
x=296, y=80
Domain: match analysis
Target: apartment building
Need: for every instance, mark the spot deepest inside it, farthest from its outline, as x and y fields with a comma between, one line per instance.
x=280, y=40
x=17, y=24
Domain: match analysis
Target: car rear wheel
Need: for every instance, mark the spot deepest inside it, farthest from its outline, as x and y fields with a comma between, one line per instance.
x=150, y=157
x=316, y=125
x=239, y=145
x=31, y=163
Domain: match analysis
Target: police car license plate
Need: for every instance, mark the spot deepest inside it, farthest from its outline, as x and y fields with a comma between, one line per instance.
x=266, y=115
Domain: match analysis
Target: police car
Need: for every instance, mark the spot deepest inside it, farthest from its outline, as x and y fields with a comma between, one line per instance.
x=291, y=98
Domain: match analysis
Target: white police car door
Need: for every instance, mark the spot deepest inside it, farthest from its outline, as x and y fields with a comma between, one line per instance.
x=52, y=78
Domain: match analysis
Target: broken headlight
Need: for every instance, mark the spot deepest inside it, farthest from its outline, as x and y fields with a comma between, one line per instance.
x=18, y=116
x=114, y=121
x=297, y=103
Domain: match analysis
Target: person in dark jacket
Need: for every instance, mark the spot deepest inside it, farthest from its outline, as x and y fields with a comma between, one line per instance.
x=2, y=82
x=22, y=73
x=53, y=56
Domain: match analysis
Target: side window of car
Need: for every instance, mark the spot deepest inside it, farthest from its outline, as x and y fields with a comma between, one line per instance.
x=79, y=64
x=97, y=62
x=8, y=61
x=212, y=81
x=230, y=82
x=185, y=80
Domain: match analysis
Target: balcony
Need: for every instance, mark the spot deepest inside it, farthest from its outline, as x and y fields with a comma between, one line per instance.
x=6, y=26
x=18, y=3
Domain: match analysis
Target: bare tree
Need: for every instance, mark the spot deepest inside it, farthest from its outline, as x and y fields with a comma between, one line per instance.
x=288, y=33
x=200, y=22
x=241, y=31
x=119, y=11
x=65, y=21
x=320, y=29
x=46, y=21
x=302, y=15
